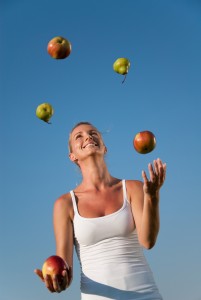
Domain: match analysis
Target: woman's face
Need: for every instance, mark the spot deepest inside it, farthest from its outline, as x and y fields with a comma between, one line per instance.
x=85, y=140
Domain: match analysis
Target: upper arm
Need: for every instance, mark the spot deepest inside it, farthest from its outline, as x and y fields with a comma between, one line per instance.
x=63, y=228
x=136, y=197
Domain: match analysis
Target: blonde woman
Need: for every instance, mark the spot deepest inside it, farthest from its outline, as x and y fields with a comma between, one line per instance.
x=109, y=221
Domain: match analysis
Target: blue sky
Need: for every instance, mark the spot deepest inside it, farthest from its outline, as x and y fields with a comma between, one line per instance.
x=162, y=93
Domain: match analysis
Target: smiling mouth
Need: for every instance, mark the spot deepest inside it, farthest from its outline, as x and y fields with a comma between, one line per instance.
x=90, y=145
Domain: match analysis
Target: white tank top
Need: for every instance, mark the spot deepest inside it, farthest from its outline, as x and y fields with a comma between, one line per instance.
x=112, y=262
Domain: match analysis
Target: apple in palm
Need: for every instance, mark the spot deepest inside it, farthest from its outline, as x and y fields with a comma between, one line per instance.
x=144, y=142
x=44, y=112
x=59, y=47
x=54, y=265
x=121, y=66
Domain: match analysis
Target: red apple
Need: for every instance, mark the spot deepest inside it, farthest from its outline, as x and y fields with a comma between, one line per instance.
x=54, y=265
x=59, y=47
x=144, y=142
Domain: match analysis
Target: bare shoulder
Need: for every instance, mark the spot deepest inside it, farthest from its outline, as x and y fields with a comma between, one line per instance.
x=134, y=189
x=134, y=184
x=63, y=205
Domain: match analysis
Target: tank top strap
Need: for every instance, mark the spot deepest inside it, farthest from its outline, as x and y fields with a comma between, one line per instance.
x=124, y=190
x=74, y=202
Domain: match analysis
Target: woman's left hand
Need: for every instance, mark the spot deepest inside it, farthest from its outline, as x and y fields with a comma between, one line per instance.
x=157, y=173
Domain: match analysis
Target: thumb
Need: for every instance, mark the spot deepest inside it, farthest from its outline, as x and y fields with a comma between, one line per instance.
x=39, y=274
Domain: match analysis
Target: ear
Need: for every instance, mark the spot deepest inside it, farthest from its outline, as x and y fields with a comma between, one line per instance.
x=72, y=157
x=105, y=151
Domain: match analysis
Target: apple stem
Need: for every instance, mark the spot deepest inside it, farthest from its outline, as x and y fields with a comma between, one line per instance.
x=124, y=78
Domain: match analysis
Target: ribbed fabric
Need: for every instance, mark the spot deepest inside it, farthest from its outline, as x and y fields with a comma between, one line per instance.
x=113, y=265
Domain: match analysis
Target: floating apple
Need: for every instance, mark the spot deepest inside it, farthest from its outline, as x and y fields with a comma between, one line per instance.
x=121, y=66
x=54, y=265
x=44, y=112
x=144, y=142
x=59, y=47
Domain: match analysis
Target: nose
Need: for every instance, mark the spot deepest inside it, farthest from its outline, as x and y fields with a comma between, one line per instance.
x=89, y=137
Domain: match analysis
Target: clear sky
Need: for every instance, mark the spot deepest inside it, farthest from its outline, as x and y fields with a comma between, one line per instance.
x=162, y=93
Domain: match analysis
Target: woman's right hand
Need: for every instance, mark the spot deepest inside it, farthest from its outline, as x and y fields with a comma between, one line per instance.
x=56, y=283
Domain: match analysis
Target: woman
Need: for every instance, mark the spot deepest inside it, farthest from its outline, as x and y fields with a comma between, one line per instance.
x=110, y=221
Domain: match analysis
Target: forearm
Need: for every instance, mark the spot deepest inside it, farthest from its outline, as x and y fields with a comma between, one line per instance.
x=63, y=230
x=66, y=252
x=150, y=222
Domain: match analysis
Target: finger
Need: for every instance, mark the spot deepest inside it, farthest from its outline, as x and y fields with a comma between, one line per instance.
x=151, y=172
x=65, y=280
x=48, y=283
x=60, y=282
x=144, y=176
x=156, y=167
x=56, y=281
x=39, y=274
x=162, y=171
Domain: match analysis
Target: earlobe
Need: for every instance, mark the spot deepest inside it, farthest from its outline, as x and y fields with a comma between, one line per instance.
x=72, y=157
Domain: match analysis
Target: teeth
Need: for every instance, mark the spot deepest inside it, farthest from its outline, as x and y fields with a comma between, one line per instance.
x=88, y=145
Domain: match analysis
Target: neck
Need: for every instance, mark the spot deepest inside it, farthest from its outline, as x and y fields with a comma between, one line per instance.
x=95, y=174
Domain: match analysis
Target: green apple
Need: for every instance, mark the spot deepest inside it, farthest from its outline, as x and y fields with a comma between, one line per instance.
x=44, y=112
x=121, y=66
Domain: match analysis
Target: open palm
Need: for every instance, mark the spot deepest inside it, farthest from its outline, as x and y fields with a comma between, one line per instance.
x=157, y=173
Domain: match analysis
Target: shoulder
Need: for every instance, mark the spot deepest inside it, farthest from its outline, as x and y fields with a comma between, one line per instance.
x=63, y=205
x=134, y=184
x=134, y=189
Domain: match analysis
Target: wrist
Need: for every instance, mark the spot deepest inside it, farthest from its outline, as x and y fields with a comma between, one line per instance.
x=153, y=198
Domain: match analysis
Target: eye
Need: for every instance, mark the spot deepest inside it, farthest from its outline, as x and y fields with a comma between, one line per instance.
x=94, y=133
x=78, y=136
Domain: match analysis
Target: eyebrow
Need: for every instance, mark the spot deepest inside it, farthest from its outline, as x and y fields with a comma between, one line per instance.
x=77, y=133
x=90, y=131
